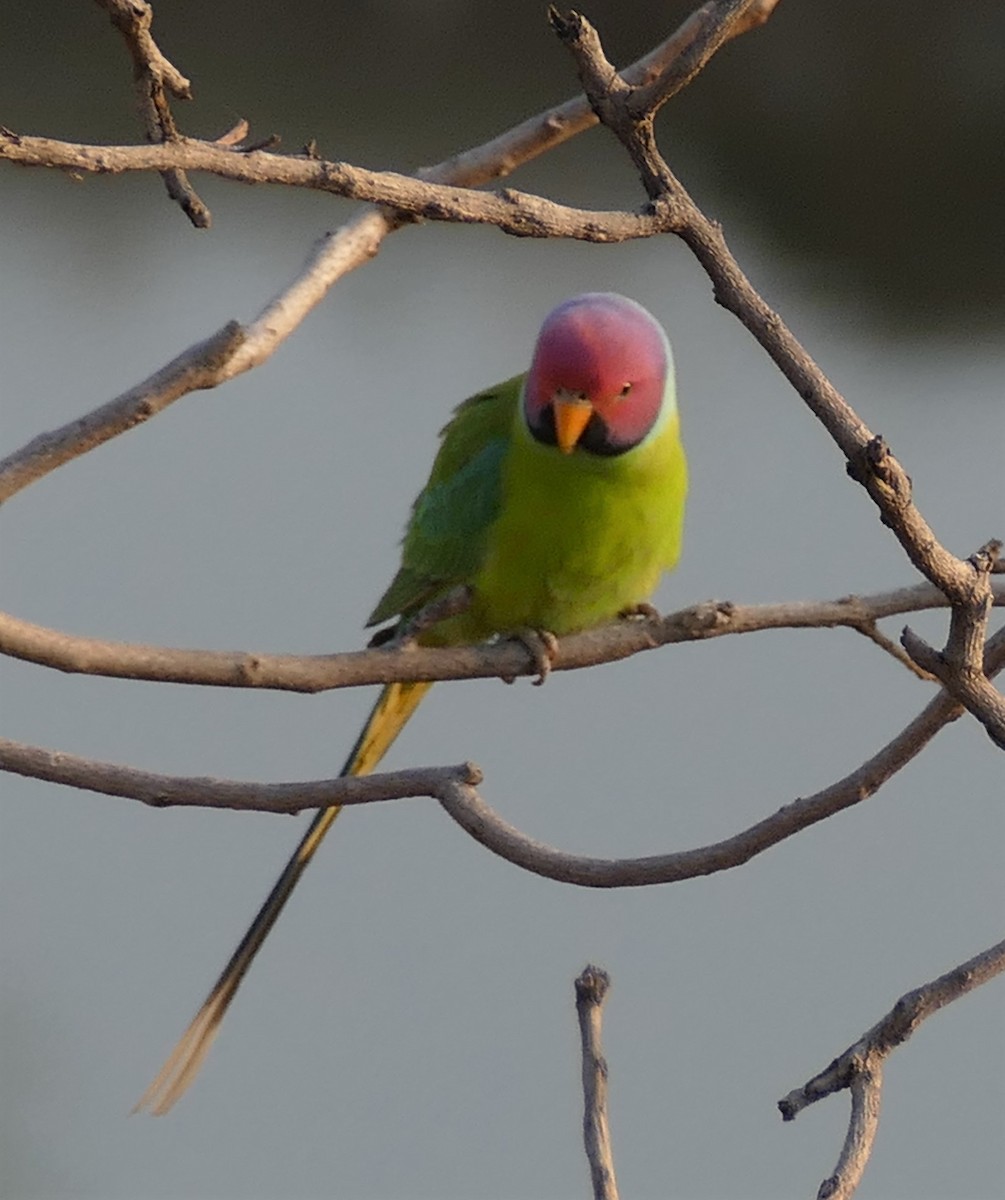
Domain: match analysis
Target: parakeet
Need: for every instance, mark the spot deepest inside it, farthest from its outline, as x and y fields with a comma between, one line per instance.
x=557, y=500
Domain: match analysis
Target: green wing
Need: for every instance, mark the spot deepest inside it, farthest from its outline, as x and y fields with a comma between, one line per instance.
x=444, y=542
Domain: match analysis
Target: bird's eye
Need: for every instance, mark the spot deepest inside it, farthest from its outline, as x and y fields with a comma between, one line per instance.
x=626, y=388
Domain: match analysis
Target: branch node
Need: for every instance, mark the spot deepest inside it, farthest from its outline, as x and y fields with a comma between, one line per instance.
x=152, y=73
x=874, y=466
x=592, y=985
x=472, y=774
x=234, y=136
x=860, y=1067
x=868, y=628
x=606, y=90
x=986, y=559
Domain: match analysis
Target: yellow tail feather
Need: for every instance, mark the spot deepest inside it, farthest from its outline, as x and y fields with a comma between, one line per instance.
x=394, y=706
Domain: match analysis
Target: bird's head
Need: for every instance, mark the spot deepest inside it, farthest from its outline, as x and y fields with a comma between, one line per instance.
x=598, y=378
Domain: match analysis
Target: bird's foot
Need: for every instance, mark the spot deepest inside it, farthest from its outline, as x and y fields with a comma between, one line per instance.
x=542, y=646
x=643, y=610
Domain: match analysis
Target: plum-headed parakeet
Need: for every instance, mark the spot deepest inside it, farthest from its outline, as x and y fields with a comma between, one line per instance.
x=557, y=500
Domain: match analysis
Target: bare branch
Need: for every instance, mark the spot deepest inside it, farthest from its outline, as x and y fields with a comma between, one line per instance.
x=174, y=791
x=871, y=630
x=485, y=826
x=591, y=991
x=866, y=1090
x=200, y=366
x=153, y=74
x=465, y=806
x=860, y=1067
x=133, y=19
x=960, y=667
x=517, y=213
x=505, y=659
x=971, y=687
x=712, y=26
x=513, y=212
x=454, y=787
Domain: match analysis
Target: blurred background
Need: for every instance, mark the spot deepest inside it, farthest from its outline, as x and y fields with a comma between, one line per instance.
x=409, y=1030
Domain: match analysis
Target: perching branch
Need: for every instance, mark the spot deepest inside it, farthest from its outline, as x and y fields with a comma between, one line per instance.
x=591, y=992
x=860, y=1067
x=504, y=659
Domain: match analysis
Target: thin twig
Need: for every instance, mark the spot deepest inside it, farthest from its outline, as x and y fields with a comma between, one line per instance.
x=870, y=630
x=592, y=987
x=715, y=24
x=154, y=76
x=860, y=1067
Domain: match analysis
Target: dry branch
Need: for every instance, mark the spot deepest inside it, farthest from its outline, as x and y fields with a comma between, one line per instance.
x=505, y=659
x=960, y=666
x=860, y=1067
x=517, y=213
x=592, y=987
x=200, y=366
x=154, y=76
x=197, y=791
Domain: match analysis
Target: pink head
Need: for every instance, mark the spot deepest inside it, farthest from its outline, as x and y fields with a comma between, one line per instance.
x=598, y=381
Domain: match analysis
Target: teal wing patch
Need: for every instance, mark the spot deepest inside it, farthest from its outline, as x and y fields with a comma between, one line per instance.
x=444, y=543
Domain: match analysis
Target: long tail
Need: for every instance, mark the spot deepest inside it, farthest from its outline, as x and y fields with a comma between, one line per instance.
x=394, y=706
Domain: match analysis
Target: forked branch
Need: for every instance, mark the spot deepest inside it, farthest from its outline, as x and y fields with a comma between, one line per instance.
x=860, y=1067
x=154, y=77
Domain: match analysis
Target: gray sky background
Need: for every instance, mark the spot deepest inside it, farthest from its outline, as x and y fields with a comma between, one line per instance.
x=409, y=1029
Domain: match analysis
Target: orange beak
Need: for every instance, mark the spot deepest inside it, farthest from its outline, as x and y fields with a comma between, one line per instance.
x=571, y=417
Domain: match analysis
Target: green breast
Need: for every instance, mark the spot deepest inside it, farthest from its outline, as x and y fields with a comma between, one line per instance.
x=579, y=538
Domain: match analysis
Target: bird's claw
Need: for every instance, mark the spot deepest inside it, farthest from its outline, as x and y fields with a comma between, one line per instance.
x=643, y=610
x=542, y=646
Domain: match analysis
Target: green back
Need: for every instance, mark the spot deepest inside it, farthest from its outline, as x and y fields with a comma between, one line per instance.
x=444, y=543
